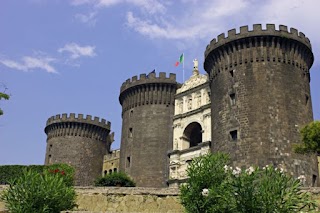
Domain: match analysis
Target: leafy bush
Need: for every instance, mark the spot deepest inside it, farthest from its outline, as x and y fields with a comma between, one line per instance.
x=310, y=135
x=39, y=192
x=213, y=186
x=10, y=172
x=115, y=179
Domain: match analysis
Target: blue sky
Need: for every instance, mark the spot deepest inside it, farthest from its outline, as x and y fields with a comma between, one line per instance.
x=59, y=56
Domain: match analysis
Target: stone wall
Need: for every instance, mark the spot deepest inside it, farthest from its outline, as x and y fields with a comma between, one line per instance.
x=260, y=98
x=136, y=199
x=121, y=199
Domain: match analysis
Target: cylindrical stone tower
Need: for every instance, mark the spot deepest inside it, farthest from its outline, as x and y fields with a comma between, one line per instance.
x=260, y=97
x=147, y=117
x=80, y=142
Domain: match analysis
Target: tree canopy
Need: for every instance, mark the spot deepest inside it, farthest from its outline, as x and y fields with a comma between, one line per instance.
x=310, y=135
x=5, y=97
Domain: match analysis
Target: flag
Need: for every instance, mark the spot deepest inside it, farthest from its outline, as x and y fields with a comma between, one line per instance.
x=181, y=59
x=153, y=71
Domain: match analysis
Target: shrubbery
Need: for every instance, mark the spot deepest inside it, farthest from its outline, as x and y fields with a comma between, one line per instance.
x=213, y=186
x=48, y=191
x=10, y=172
x=115, y=179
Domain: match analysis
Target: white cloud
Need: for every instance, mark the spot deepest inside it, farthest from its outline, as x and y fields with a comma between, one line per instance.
x=89, y=18
x=198, y=21
x=106, y=3
x=77, y=51
x=30, y=63
x=148, y=6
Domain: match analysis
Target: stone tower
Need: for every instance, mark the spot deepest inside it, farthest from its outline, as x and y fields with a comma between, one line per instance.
x=80, y=142
x=260, y=97
x=147, y=115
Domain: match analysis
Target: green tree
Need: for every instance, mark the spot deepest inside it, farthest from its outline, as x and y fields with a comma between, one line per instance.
x=115, y=179
x=5, y=97
x=310, y=135
x=213, y=186
x=46, y=192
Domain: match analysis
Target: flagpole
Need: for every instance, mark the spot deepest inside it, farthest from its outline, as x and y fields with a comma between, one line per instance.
x=183, y=68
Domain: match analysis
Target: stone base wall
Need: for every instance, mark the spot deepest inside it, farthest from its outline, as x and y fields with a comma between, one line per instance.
x=124, y=199
x=136, y=199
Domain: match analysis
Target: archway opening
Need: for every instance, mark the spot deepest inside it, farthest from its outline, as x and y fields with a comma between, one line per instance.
x=193, y=134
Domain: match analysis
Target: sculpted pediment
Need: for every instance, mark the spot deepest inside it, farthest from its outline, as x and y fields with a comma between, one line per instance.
x=195, y=80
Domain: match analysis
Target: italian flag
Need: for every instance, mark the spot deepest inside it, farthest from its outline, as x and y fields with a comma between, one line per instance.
x=181, y=59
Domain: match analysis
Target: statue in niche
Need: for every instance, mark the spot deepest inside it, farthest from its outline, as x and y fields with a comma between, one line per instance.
x=180, y=106
x=175, y=144
x=199, y=99
x=189, y=103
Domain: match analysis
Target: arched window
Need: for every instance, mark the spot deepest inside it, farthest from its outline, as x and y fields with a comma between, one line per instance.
x=110, y=171
x=193, y=134
x=115, y=170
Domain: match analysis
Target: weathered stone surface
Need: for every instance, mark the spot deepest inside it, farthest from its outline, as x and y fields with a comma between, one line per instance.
x=147, y=116
x=121, y=199
x=79, y=142
x=260, y=98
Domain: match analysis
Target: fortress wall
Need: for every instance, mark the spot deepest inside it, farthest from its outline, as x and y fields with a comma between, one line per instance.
x=260, y=90
x=80, y=142
x=147, y=118
x=136, y=199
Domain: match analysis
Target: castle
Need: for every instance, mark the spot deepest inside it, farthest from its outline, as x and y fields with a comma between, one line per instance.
x=251, y=104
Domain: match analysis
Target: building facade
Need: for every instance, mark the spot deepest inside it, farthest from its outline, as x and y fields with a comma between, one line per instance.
x=251, y=104
x=80, y=142
x=191, y=125
x=111, y=162
x=147, y=118
x=260, y=97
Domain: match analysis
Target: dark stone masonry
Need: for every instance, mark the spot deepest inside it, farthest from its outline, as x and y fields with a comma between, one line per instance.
x=147, y=118
x=260, y=97
x=80, y=142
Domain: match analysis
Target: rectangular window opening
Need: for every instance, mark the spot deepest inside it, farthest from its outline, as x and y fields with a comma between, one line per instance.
x=130, y=132
x=128, y=162
x=314, y=180
x=234, y=135
x=307, y=99
x=232, y=99
x=231, y=73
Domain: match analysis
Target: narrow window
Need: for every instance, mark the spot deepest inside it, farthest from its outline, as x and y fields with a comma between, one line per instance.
x=115, y=170
x=314, y=180
x=105, y=172
x=307, y=99
x=50, y=147
x=234, y=135
x=231, y=73
x=233, y=99
x=110, y=171
x=130, y=132
x=128, y=162
x=131, y=113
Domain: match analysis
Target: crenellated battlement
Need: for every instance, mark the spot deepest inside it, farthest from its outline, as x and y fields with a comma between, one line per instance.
x=72, y=125
x=148, y=79
x=258, y=45
x=148, y=89
x=270, y=30
x=72, y=117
